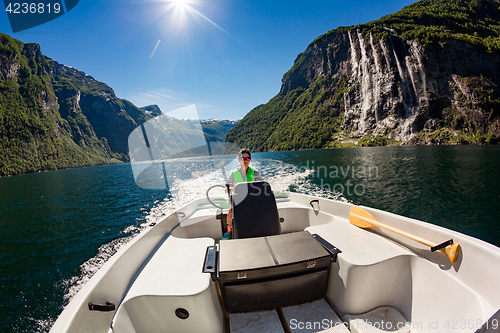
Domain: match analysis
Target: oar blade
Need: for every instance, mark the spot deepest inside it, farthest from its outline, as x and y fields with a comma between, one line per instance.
x=452, y=252
x=360, y=217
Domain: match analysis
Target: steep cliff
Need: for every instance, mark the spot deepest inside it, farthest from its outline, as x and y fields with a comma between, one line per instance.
x=53, y=116
x=110, y=118
x=428, y=74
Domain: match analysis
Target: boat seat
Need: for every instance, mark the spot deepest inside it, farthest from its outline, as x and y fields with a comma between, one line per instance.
x=171, y=293
x=255, y=213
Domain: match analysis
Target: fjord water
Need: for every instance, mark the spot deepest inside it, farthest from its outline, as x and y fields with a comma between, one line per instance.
x=58, y=228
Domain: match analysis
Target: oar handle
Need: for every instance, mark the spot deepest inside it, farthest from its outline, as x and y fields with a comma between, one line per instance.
x=397, y=231
x=442, y=245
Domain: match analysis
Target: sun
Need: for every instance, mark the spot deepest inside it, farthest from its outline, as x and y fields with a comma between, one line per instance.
x=180, y=3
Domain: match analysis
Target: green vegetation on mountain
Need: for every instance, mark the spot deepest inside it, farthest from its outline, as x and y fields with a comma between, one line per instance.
x=430, y=21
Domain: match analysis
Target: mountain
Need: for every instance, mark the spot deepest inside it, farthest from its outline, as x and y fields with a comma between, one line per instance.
x=165, y=137
x=152, y=110
x=428, y=74
x=53, y=116
x=215, y=130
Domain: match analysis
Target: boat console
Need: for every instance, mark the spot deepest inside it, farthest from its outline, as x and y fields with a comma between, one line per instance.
x=262, y=269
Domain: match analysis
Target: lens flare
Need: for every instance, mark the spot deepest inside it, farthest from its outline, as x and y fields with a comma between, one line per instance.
x=154, y=50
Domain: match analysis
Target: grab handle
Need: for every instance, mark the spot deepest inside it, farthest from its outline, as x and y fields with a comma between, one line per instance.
x=316, y=210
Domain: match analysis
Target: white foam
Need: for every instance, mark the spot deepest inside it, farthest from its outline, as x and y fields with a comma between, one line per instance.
x=43, y=325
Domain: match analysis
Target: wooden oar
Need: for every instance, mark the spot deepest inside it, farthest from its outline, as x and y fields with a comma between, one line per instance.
x=361, y=218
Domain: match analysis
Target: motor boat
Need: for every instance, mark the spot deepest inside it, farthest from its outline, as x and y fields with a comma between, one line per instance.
x=295, y=263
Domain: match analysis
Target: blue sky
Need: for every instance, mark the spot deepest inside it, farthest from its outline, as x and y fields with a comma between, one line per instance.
x=224, y=56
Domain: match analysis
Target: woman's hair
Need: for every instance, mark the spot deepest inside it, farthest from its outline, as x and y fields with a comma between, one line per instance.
x=244, y=151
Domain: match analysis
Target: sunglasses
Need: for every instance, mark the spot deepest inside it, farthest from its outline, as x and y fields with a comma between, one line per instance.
x=246, y=158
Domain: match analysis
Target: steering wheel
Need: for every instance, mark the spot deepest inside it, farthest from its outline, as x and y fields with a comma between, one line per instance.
x=210, y=200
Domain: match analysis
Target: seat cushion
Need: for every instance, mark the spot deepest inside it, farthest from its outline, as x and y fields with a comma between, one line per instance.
x=255, y=212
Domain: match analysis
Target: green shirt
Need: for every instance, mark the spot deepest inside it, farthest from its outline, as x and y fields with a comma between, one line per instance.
x=236, y=176
x=239, y=179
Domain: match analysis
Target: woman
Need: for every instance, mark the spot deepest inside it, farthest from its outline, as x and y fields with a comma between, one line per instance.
x=243, y=174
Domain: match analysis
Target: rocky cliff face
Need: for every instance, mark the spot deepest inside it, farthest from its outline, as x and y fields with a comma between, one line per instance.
x=109, y=117
x=397, y=89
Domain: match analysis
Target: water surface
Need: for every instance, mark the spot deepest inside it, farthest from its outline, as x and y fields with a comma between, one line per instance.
x=59, y=227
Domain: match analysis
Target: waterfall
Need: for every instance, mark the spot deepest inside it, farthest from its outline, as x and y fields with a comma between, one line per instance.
x=354, y=57
x=374, y=73
x=407, y=94
x=366, y=93
x=377, y=79
x=414, y=50
x=398, y=64
x=347, y=103
x=386, y=55
x=413, y=82
x=355, y=76
x=375, y=55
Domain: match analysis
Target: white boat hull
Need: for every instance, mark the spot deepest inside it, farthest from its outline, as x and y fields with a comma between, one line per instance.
x=160, y=271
